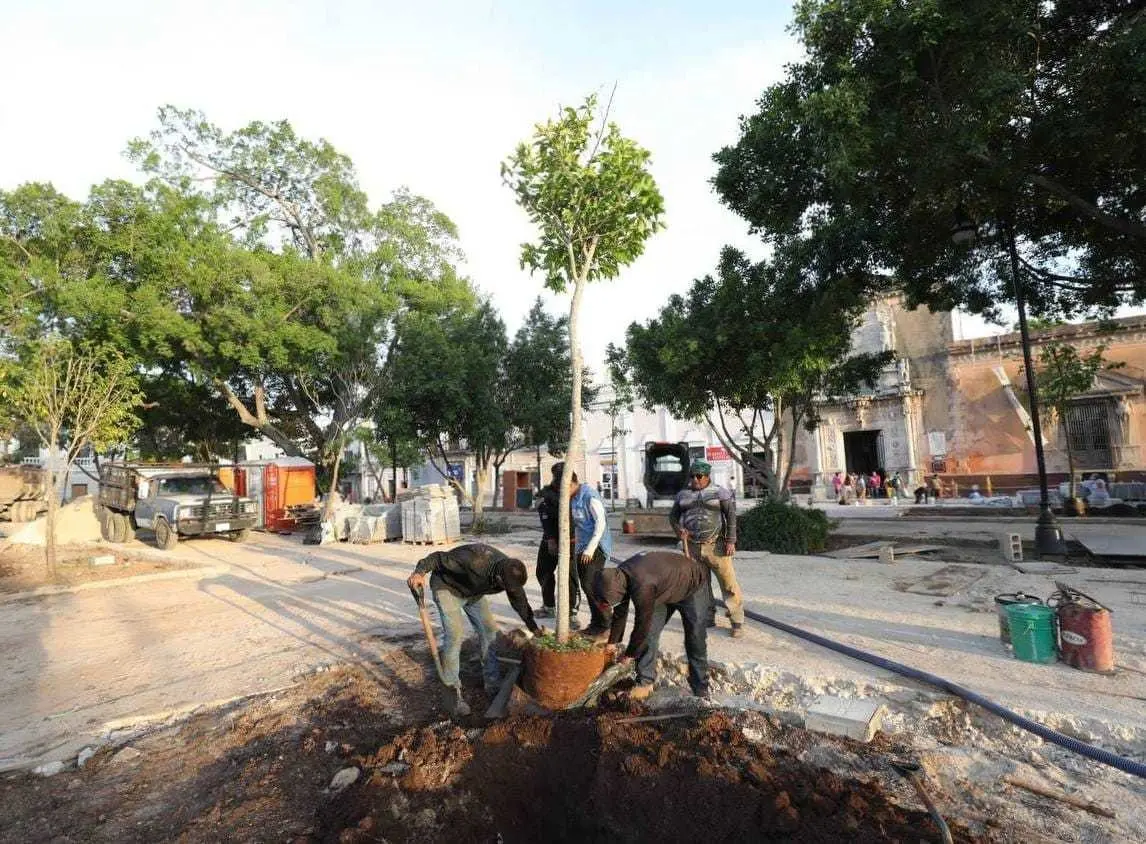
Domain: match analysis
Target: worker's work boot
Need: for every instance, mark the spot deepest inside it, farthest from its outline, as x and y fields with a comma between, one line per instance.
x=737, y=630
x=545, y=612
x=454, y=703
x=641, y=693
x=574, y=623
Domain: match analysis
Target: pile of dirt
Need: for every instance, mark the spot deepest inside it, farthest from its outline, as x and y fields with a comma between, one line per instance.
x=579, y=778
x=75, y=522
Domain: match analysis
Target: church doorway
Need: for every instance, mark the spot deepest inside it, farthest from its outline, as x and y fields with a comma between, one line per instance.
x=862, y=452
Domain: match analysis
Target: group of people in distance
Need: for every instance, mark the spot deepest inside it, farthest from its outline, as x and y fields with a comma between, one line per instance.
x=854, y=487
x=653, y=583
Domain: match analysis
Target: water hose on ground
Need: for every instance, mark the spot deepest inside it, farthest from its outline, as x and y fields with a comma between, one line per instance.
x=1097, y=754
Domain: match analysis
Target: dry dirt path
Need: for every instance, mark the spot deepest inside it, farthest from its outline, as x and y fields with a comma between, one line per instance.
x=77, y=665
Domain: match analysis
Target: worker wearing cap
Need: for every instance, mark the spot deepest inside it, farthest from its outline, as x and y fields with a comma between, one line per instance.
x=657, y=584
x=460, y=579
x=704, y=517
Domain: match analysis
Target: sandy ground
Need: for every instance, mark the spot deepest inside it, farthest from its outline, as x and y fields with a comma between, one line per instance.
x=80, y=666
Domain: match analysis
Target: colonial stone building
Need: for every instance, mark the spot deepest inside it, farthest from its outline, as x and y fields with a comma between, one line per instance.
x=959, y=408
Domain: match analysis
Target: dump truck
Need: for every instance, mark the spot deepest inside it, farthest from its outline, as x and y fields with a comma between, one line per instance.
x=665, y=474
x=176, y=500
x=23, y=493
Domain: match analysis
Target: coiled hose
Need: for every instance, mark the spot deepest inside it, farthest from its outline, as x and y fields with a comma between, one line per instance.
x=1106, y=757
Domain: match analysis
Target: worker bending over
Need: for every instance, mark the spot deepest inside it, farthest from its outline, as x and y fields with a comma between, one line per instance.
x=460, y=580
x=657, y=584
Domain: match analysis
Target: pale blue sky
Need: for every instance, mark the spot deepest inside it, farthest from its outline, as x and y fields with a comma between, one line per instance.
x=429, y=95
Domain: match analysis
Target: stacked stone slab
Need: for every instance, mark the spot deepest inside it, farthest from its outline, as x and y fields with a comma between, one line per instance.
x=430, y=515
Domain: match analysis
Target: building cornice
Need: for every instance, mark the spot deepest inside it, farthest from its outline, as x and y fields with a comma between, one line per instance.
x=1131, y=329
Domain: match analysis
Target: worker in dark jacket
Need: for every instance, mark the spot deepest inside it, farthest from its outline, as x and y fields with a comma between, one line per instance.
x=658, y=583
x=460, y=580
x=548, y=508
x=704, y=518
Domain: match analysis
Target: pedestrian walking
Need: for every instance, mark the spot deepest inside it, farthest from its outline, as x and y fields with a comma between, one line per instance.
x=704, y=517
x=548, y=507
x=861, y=487
x=657, y=584
x=837, y=482
x=460, y=579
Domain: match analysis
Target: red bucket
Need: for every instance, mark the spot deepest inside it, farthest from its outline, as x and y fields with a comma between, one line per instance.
x=1086, y=634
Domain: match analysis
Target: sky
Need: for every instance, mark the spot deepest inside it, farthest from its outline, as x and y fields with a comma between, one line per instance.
x=431, y=95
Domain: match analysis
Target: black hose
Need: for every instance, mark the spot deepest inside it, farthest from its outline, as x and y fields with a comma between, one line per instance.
x=1106, y=757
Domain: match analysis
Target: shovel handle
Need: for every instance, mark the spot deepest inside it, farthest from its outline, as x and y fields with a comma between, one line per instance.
x=419, y=595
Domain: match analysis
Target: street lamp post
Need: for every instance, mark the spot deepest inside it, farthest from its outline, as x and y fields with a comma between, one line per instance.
x=1048, y=535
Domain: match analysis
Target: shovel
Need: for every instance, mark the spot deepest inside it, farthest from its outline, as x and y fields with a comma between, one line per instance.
x=420, y=598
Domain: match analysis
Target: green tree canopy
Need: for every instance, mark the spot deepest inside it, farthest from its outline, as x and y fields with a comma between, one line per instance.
x=450, y=377
x=750, y=350
x=1025, y=115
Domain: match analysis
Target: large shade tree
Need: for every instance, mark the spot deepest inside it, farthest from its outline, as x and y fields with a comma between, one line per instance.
x=1019, y=117
x=593, y=201
x=751, y=350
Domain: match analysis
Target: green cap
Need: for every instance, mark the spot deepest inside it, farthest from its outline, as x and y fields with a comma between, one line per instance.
x=701, y=467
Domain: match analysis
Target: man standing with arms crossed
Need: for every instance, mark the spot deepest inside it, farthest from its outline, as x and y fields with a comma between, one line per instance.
x=704, y=517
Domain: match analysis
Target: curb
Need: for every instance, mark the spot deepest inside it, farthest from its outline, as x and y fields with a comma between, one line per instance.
x=47, y=591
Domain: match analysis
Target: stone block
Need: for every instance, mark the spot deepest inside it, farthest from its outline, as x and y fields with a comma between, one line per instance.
x=855, y=718
x=102, y=560
x=1011, y=544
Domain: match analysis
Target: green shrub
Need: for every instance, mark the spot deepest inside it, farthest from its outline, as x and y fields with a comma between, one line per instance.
x=782, y=529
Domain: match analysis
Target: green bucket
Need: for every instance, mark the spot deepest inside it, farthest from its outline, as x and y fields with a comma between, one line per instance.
x=1032, y=632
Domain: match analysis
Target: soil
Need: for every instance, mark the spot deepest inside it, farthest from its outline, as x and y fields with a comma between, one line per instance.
x=22, y=566
x=262, y=771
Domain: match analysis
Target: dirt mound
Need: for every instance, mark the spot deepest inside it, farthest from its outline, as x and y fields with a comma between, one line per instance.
x=603, y=779
x=263, y=771
x=75, y=522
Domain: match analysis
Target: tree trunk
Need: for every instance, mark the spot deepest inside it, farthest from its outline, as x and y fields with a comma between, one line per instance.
x=328, y=508
x=572, y=458
x=496, y=481
x=50, y=522
x=791, y=453
x=379, y=481
x=481, y=473
x=1069, y=458
x=394, y=468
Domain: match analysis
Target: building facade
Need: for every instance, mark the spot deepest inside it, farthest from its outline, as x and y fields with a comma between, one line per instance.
x=958, y=408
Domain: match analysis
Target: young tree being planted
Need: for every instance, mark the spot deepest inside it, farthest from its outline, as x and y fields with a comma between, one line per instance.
x=588, y=191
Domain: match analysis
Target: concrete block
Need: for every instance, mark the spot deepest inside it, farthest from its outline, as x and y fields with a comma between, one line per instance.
x=855, y=718
x=1011, y=544
x=887, y=554
x=103, y=560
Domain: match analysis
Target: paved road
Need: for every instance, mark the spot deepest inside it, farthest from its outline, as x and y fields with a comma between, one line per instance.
x=76, y=664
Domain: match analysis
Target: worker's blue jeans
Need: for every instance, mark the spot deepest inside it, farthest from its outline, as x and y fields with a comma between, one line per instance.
x=477, y=609
x=694, y=616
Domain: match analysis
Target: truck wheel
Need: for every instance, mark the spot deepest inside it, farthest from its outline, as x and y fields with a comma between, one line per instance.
x=239, y=535
x=127, y=527
x=117, y=527
x=165, y=537
x=105, y=528
x=19, y=512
